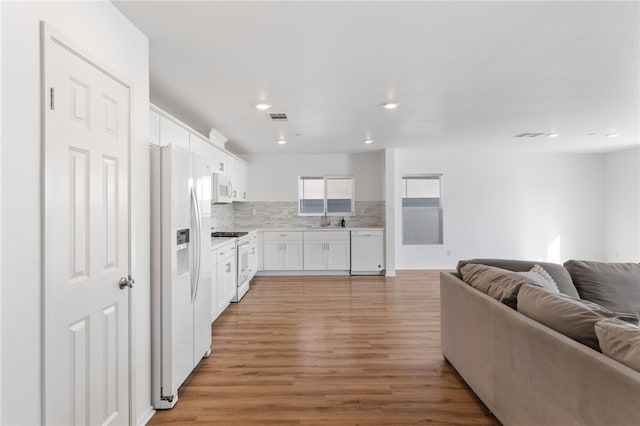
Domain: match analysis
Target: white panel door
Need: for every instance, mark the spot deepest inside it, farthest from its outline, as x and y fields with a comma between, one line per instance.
x=86, y=240
x=154, y=128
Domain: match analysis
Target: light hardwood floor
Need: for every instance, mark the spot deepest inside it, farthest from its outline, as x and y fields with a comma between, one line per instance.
x=329, y=351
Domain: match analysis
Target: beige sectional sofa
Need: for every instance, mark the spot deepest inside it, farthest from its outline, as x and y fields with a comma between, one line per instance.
x=527, y=373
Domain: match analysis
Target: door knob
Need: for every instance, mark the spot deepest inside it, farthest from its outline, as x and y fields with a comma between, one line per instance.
x=126, y=282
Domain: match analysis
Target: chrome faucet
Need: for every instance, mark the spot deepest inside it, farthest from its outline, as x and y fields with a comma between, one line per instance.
x=324, y=222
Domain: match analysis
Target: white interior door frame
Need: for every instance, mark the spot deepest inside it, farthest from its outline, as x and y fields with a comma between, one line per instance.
x=48, y=36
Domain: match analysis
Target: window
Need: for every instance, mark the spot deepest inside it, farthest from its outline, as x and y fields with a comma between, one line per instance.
x=422, y=209
x=332, y=195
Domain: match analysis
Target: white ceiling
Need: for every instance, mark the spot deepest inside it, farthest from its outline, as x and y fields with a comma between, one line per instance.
x=463, y=72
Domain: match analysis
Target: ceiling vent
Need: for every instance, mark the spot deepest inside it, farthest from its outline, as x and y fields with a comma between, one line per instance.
x=277, y=116
x=528, y=135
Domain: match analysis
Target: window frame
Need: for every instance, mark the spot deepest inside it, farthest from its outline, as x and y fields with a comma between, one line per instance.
x=324, y=199
x=440, y=207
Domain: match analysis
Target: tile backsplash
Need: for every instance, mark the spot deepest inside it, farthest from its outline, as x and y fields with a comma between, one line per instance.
x=222, y=215
x=279, y=214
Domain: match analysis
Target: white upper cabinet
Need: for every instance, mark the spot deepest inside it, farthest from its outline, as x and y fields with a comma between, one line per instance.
x=202, y=147
x=165, y=130
x=154, y=127
x=221, y=162
x=172, y=133
x=242, y=180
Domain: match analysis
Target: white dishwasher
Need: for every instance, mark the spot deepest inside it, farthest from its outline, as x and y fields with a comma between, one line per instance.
x=367, y=252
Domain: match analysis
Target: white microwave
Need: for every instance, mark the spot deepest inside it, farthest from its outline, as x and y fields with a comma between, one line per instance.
x=222, y=189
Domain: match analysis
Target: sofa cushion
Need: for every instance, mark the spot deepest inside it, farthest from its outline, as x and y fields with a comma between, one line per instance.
x=498, y=283
x=557, y=272
x=620, y=340
x=540, y=277
x=613, y=285
x=574, y=318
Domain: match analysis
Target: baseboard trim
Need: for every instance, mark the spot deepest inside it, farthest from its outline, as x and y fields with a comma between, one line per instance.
x=146, y=416
x=299, y=273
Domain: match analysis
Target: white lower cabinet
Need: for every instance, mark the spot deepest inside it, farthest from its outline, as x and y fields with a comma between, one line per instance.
x=224, y=259
x=326, y=250
x=282, y=251
x=214, y=285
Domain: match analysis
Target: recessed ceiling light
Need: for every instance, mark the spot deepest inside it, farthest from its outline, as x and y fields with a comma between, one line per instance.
x=612, y=135
x=390, y=105
x=368, y=140
x=282, y=141
x=263, y=106
x=553, y=135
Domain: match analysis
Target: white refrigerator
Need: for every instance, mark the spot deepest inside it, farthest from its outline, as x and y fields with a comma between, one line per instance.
x=180, y=270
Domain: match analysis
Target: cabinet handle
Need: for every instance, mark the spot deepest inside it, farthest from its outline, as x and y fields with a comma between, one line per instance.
x=222, y=167
x=283, y=235
x=221, y=253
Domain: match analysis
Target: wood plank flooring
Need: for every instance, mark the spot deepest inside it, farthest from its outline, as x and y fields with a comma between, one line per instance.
x=329, y=351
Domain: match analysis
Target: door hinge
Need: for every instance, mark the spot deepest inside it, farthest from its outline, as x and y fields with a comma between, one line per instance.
x=52, y=98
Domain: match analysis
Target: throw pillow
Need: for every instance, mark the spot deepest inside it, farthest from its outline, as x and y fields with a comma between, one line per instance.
x=538, y=275
x=613, y=285
x=574, y=318
x=621, y=341
x=498, y=283
x=557, y=272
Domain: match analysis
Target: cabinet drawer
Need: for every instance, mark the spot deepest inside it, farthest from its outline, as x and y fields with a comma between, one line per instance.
x=283, y=236
x=325, y=235
x=225, y=251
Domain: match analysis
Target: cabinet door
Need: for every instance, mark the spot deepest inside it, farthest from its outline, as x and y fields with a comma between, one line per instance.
x=214, y=285
x=222, y=277
x=231, y=279
x=171, y=133
x=253, y=260
x=219, y=161
x=232, y=165
x=154, y=128
x=272, y=255
x=314, y=255
x=292, y=259
x=202, y=148
x=338, y=255
x=242, y=181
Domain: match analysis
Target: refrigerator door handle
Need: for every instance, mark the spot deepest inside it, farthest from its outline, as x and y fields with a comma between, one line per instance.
x=197, y=249
x=199, y=222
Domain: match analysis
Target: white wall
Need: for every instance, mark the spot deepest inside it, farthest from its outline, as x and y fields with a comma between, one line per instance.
x=390, y=212
x=622, y=205
x=104, y=32
x=1, y=256
x=275, y=177
x=509, y=205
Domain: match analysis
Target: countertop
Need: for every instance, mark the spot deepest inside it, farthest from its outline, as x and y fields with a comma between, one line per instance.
x=219, y=241
x=319, y=228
